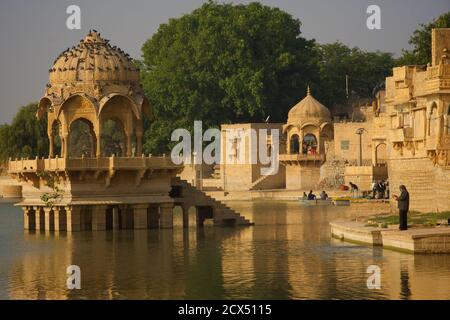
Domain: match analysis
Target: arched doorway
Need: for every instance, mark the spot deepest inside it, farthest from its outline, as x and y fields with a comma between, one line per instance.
x=309, y=145
x=294, y=144
x=380, y=154
x=81, y=139
x=113, y=138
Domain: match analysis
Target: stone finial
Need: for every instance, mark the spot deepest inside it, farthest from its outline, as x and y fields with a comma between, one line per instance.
x=308, y=91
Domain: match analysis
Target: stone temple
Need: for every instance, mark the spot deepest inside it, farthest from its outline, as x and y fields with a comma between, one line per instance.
x=96, y=176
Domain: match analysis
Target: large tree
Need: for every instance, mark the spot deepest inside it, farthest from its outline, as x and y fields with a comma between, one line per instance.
x=224, y=63
x=420, y=41
x=25, y=137
x=364, y=69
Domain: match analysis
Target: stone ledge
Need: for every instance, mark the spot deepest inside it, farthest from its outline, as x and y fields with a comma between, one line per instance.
x=420, y=240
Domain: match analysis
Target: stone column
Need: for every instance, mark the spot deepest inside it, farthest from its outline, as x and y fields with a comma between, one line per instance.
x=140, y=216
x=139, y=144
x=49, y=222
x=73, y=218
x=51, y=145
x=153, y=216
x=115, y=217
x=27, y=221
x=59, y=224
x=185, y=210
x=39, y=218
x=99, y=218
x=98, y=141
x=166, y=215
x=128, y=145
x=64, y=146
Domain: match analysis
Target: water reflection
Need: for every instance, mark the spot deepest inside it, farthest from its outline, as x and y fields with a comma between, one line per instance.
x=288, y=254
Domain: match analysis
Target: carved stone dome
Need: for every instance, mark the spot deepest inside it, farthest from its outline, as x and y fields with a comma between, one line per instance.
x=308, y=110
x=93, y=60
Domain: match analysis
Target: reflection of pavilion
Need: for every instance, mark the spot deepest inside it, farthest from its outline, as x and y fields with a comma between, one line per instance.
x=95, y=107
x=308, y=130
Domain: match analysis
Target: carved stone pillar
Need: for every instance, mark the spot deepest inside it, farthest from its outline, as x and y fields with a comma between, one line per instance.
x=39, y=218
x=73, y=218
x=51, y=151
x=49, y=219
x=166, y=215
x=140, y=216
x=28, y=218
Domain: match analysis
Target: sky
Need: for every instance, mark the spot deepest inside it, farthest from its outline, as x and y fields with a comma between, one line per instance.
x=33, y=33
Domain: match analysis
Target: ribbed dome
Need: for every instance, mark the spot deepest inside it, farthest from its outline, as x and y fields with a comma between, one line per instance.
x=93, y=60
x=309, y=109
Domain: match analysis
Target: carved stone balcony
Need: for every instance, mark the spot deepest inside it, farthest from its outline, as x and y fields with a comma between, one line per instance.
x=298, y=159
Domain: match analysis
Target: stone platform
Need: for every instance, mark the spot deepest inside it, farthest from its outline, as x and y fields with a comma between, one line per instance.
x=415, y=240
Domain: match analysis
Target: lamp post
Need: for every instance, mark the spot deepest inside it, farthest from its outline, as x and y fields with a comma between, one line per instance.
x=360, y=132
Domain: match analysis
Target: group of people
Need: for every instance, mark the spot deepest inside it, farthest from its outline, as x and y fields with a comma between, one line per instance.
x=380, y=189
x=312, y=196
x=383, y=187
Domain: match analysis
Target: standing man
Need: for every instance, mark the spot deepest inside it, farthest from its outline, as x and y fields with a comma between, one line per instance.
x=403, y=207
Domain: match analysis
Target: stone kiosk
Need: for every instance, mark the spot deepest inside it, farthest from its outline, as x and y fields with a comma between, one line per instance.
x=96, y=175
x=308, y=129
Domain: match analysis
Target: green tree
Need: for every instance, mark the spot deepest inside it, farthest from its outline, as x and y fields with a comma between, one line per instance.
x=420, y=41
x=364, y=69
x=25, y=137
x=224, y=63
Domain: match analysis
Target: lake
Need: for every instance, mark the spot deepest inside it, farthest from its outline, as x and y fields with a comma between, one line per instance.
x=288, y=254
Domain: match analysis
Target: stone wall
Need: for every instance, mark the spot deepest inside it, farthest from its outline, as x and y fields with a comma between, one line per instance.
x=302, y=177
x=427, y=184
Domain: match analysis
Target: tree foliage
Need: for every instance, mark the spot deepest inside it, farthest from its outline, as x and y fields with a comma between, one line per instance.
x=365, y=70
x=25, y=136
x=224, y=63
x=421, y=42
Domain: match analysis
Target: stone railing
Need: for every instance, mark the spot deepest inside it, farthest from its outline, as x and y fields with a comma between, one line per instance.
x=439, y=71
x=85, y=164
x=301, y=157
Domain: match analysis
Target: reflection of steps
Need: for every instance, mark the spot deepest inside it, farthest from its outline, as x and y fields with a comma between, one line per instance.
x=222, y=214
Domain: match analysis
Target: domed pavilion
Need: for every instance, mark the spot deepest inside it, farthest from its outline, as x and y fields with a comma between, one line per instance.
x=96, y=177
x=307, y=130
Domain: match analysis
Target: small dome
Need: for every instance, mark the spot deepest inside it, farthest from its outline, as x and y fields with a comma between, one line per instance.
x=93, y=60
x=309, y=109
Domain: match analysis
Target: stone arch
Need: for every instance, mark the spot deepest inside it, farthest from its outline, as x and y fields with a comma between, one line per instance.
x=294, y=144
x=78, y=101
x=105, y=101
x=81, y=140
x=113, y=140
x=55, y=141
x=123, y=109
x=309, y=144
x=381, y=154
x=43, y=107
x=326, y=137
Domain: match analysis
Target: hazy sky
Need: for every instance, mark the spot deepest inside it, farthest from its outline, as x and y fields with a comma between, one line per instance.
x=33, y=33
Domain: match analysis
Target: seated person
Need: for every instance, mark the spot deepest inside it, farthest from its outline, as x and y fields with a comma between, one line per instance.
x=323, y=195
x=305, y=196
x=311, y=195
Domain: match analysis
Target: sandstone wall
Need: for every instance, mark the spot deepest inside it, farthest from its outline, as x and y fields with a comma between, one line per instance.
x=428, y=185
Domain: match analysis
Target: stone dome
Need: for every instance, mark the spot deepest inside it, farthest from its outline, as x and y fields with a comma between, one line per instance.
x=308, y=110
x=93, y=60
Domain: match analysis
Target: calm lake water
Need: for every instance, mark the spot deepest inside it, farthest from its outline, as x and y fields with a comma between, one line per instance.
x=288, y=254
